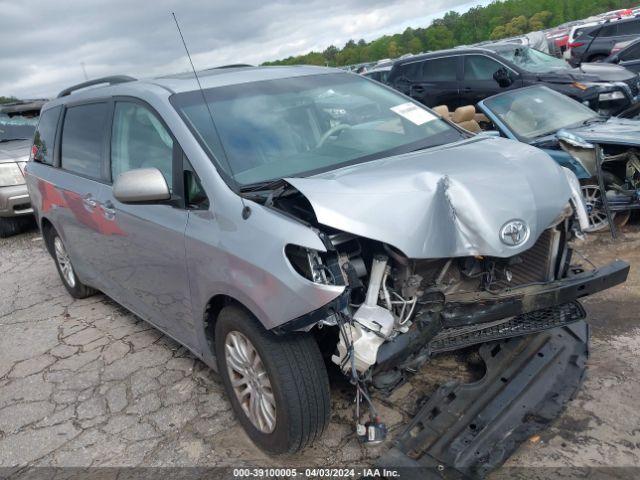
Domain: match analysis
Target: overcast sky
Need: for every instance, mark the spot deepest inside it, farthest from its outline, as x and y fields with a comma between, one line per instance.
x=43, y=43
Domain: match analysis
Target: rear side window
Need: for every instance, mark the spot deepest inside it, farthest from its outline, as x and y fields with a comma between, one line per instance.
x=607, y=31
x=83, y=137
x=629, y=28
x=479, y=67
x=410, y=71
x=440, y=70
x=45, y=136
x=139, y=140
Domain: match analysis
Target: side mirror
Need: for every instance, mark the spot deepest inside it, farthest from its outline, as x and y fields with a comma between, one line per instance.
x=615, y=59
x=141, y=185
x=502, y=77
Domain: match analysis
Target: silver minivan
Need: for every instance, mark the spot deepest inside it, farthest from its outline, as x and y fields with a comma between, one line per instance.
x=282, y=221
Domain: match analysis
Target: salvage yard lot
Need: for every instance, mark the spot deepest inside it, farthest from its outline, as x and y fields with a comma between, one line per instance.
x=86, y=383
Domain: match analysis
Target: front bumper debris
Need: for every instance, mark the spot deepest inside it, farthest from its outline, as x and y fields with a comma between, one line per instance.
x=468, y=319
x=468, y=430
x=483, y=307
x=523, y=324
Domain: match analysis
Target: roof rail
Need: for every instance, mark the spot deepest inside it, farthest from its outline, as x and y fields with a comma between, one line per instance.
x=233, y=65
x=113, y=80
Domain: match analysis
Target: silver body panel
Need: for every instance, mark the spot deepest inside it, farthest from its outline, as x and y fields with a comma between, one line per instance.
x=167, y=264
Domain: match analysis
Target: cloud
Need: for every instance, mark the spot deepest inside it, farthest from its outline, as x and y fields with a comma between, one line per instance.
x=44, y=44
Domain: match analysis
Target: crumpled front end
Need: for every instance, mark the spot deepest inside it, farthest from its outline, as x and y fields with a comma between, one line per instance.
x=397, y=311
x=437, y=260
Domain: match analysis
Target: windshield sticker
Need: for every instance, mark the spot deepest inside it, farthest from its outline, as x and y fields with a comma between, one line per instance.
x=413, y=113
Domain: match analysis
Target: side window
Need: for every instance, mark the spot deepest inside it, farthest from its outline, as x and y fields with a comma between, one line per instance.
x=479, y=67
x=631, y=53
x=139, y=140
x=440, y=70
x=45, y=136
x=411, y=71
x=83, y=136
x=629, y=28
x=607, y=31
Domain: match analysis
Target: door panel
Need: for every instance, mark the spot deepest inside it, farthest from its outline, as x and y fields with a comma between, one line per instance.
x=79, y=184
x=432, y=82
x=143, y=253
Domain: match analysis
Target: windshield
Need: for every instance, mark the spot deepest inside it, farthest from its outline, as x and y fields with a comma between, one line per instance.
x=16, y=127
x=303, y=125
x=532, y=60
x=538, y=111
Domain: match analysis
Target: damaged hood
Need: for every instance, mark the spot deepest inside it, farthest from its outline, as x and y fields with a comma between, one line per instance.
x=449, y=201
x=618, y=131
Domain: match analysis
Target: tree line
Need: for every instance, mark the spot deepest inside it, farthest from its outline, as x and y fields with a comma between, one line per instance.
x=499, y=19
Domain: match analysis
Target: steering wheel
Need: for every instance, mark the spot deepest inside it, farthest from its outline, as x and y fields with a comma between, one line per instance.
x=332, y=131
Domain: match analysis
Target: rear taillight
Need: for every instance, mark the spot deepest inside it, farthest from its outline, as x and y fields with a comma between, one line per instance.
x=576, y=44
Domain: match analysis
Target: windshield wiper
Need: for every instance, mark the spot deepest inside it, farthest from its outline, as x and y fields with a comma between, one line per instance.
x=3, y=140
x=263, y=186
x=598, y=119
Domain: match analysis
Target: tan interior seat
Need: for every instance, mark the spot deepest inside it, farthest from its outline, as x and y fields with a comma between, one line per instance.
x=465, y=117
x=443, y=111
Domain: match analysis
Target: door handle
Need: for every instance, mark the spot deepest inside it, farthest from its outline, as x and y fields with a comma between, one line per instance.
x=418, y=89
x=109, y=212
x=89, y=201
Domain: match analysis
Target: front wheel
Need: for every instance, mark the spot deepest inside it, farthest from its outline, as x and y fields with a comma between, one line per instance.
x=277, y=385
x=595, y=207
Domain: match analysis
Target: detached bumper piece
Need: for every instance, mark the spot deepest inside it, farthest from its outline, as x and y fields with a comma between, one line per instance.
x=538, y=321
x=468, y=430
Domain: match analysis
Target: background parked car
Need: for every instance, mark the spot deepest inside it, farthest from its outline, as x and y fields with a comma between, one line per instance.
x=568, y=132
x=17, y=123
x=464, y=76
x=379, y=74
x=594, y=43
x=627, y=55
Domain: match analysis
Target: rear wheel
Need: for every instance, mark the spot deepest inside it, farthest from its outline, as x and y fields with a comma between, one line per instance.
x=74, y=286
x=277, y=385
x=8, y=227
x=595, y=207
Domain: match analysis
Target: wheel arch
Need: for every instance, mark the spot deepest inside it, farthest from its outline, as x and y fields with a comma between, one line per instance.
x=211, y=312
x=46, y=227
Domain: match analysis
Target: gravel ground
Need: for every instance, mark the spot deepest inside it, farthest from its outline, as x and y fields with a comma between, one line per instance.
x=86, y=383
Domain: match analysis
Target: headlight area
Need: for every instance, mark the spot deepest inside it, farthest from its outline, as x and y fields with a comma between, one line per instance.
x=309, y=264
x=10, y=174
x=611, y=96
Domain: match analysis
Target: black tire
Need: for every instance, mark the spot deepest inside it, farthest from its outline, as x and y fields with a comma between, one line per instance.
x=298, y=378
x=9, y=227
x=77, y=289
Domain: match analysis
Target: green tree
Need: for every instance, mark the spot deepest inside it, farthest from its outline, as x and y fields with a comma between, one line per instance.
x=499, y=19
x=540, y=20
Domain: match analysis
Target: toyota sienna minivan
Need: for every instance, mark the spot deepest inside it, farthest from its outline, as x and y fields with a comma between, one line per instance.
x=280, y=221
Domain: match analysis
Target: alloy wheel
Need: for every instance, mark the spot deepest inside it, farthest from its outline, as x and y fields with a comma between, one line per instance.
x=595, y=208
x=62, y=257
x=250, y=381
